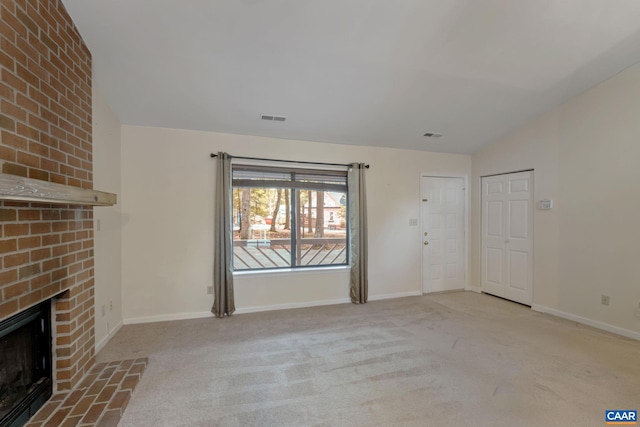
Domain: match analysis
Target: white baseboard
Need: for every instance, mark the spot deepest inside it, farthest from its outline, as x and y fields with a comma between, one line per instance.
x=589, y=322
x=287, y=306
x=256, y=309
x=105, y=340
x=167, y=317
x=396, y=295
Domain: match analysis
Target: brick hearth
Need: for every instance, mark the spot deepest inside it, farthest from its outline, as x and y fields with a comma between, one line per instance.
x=99, y=400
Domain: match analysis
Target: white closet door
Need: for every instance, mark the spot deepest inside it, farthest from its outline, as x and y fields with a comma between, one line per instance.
x=507, y=238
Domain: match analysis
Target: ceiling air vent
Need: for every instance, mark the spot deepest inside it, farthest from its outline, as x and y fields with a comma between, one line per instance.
x=433, y=135
x=273, y=118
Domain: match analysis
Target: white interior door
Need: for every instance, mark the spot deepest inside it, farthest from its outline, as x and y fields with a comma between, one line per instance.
x=443, y=234
x=507, y=238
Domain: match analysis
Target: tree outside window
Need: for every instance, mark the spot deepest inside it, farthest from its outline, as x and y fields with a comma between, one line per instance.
x=288, y=218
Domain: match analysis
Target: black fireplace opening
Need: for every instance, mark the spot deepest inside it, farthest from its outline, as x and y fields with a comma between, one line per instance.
x=25, y=364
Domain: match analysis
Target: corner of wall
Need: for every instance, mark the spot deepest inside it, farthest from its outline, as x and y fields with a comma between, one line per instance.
x=107, y=144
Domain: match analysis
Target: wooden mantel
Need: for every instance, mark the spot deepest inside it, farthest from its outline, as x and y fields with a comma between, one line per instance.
x=20, y=189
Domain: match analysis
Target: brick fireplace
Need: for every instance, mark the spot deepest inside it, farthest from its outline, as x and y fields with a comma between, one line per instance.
x=46, y=251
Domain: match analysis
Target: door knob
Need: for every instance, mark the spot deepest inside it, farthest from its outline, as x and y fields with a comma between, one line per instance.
x=425, y=233
x=426, y=243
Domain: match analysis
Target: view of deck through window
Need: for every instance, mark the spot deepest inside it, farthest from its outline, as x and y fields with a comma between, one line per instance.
x=286, y=218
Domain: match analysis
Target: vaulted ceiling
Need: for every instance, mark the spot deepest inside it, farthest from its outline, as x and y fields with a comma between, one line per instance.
x=363, y=72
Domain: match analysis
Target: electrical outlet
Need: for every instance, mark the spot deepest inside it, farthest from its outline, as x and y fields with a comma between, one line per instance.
x=210, y=290
x=604, y=299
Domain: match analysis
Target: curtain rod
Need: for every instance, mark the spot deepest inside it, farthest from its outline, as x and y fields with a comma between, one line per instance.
x=288, y=161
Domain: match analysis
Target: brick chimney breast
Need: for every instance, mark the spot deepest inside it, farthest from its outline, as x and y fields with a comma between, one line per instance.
x=46, y=251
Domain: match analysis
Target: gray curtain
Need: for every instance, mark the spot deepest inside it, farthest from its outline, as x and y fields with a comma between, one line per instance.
x=359, y=288
x=223, y=304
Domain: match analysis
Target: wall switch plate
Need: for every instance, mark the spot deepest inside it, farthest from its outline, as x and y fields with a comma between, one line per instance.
x=413, y=222
x=545, y=204
x=604, y=299
x=210, y=290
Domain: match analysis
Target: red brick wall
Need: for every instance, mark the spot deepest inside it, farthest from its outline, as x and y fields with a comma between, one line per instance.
x=45, y=133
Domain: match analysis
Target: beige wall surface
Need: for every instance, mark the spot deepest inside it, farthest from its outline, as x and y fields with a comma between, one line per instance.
x=585, y=155
x=108, y=239
x=167, y=207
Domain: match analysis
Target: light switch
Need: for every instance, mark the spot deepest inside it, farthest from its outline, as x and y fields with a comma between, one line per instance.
x=546, y=204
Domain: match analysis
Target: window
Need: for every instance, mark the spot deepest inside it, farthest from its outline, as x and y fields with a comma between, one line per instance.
x=288, y=218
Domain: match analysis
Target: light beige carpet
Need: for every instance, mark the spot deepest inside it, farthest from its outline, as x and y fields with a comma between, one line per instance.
x=459, y=359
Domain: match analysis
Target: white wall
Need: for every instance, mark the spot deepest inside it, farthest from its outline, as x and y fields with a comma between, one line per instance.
x=585, y=155
x=107, y=239
x=167, y=205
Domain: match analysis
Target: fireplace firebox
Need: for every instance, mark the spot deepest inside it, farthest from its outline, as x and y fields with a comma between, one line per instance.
x=25, y=364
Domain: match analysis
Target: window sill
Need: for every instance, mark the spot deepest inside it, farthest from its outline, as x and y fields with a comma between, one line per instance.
x=292, y=271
